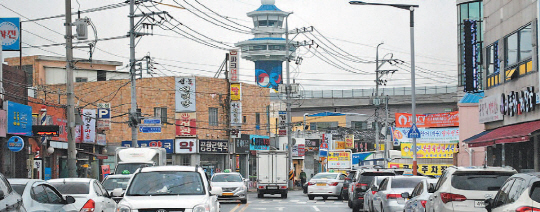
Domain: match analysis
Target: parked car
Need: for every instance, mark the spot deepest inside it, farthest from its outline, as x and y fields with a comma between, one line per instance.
x=89, y=194
x=370, y=193
x=346, y=183
x=38, y=195
x=168, y=188
x=466, y=188
x=10, y=200
x=360, y=183
x=417, y=199
x=521, y=192
x=233, y=186
x=326, y=184
x=112, y=182
x=388, y=196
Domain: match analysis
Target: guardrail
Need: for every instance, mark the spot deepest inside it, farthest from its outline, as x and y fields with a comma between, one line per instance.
x=394, y=91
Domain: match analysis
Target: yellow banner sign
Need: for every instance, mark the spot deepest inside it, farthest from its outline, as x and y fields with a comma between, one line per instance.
x=426, y=169
x=340, y=144
x=349, y=142
x=236, y=92
x=429, y=150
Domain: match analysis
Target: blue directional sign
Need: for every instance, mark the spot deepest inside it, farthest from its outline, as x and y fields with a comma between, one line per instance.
x=413, y=132
x=150, y=129
x=152, y=121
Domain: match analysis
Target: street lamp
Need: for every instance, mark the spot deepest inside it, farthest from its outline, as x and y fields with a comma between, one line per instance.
x=409, y=7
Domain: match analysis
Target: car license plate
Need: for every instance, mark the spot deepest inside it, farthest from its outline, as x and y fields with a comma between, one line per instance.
x=227, y=194
x=271, y=187
x=321, y=184
x=479, y=204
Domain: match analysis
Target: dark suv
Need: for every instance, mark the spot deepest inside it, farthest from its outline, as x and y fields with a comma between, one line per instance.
x=359, y=185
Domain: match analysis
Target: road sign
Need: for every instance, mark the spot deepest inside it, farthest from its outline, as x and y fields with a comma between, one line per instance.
x=413, y=132
x=152, y=121
x=150, y=129
x=104, y=113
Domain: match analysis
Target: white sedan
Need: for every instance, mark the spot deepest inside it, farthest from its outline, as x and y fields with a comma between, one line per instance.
x=38, y=195
x=169, y=188
x=88, y=193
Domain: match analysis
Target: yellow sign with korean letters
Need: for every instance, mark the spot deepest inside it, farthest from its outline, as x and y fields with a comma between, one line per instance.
x=349, y=142
x=340, y=144
x=429, y=150
x=426, y=169
x=236, y=91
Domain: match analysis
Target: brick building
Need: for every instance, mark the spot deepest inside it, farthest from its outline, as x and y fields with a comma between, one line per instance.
x=202, y=140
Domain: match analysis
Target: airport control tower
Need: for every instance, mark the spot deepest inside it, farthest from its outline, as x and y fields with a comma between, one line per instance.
x=267, y=49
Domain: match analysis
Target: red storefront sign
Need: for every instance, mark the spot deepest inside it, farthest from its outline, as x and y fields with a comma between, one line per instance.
x=428, y=120
x=186, y=124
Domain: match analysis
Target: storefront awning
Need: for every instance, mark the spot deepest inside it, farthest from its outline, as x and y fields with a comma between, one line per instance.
x=507, y=134
x=97, y=155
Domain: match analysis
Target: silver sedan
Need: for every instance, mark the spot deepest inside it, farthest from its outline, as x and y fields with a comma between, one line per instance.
x=38, y=195
x=388, y=196
x=326, y=184
x=419, y=196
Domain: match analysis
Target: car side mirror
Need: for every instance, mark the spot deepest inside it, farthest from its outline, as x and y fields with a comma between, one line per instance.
x=2, y=195
x=218, y=191
x=69, y=200
x=246, y=180
x=117, y=192
x=489, y=204
x=405, y=195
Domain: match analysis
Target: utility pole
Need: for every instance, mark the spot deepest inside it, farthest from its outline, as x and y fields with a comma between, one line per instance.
x=133, y=112
x=386, y=143
x=288, y=98
x=376, y=100
x=72, y=155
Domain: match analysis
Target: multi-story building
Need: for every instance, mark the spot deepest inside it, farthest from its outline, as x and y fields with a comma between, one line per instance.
x=508, y=110
x=194, y=115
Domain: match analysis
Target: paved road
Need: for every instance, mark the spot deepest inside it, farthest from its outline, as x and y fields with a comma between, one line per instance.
x=296, y=202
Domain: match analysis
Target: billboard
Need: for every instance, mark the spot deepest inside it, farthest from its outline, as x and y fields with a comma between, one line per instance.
x=429, y=150
x=19, y=118
x=166, y=144
x=186, y=124
x=259, y=142
x=450, y=119
x=489, y=109
x=433, y=135
x=10, y=34
x=339, y=160
x=268, y=74
x=470, y=56
x=236, y=91
x=185, y=94
x=89, y=126
x=185, y=146
x=426, y=169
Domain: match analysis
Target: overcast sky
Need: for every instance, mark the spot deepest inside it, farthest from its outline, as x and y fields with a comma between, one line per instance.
x=355, y=30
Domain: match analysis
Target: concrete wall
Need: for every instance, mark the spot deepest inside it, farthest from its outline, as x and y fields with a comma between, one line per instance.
x=469, y=126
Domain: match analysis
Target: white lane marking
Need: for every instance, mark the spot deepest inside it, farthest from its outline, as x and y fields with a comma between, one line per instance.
x=280, y=208
x=316, y=209
x=259, y=209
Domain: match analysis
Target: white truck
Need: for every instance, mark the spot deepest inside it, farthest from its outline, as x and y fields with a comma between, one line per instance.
x=129, y=159
x=272, y=173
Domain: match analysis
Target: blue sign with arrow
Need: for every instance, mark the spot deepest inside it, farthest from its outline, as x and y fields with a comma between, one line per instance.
x=414, y=132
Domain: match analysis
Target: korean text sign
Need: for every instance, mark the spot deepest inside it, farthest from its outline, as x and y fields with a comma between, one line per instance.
x=433, y=135
x=339, y=160
x=166, y=144
x=213, y=146
x=259, y=142
x=89, y=125
x=428, y=120
x=426, y=169
x=185, y=146
x=186, y=124
x=10, y=34
x=185, y=94
x=429, y=150
x=19, y=119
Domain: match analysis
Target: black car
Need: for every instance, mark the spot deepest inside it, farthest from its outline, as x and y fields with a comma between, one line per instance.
x=359, y=185
x=346, y=184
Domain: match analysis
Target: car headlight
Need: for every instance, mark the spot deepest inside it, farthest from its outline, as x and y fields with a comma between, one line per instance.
x=201, y=208
x=123, y=208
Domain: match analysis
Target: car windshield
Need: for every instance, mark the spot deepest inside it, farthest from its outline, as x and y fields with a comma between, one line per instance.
x=367, y=177
x=72, y=187
x=325, y=176
x=405, y=182
x=19, y=188
x=112, y=183
x=166, y=183
x=130, y=167
x=226, y=178
x=480, y=181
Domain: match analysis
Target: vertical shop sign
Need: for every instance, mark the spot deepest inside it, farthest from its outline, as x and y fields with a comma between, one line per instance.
x=89, y=126
x=185, y=94
x=236, y=92
x=236, y=113
x=186, y=124
x=3, y=123
x=234, y=66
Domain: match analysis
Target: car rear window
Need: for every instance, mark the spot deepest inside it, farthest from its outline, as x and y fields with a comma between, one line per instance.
x=480, y=181
x=325, y=176
x=367, y=177
x=405, y=182
x=535, y=192
x=72, y=187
